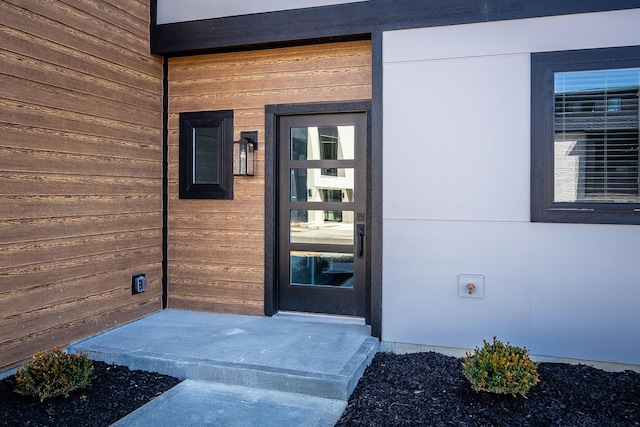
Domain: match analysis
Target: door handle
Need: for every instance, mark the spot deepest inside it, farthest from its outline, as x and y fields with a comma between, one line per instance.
x=360, y=230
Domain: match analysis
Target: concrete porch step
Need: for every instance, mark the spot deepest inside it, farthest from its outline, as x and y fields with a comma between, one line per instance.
x=195, y=403
x=278, y=354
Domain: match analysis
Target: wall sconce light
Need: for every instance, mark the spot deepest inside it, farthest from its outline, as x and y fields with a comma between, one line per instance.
x=244, y=154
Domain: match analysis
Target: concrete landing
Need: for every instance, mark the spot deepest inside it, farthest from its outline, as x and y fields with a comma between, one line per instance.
x=239, y=366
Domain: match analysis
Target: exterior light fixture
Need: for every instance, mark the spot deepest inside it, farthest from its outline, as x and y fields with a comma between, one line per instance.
x=244, y=154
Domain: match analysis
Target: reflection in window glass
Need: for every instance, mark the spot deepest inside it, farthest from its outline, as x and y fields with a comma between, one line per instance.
x=206, y=151
x=329, y=147
x=312, y=226
x=323, y=143
x=299, y=142
x=311, y=185
x=321, y=269
x=596, y=136
x=332, y=196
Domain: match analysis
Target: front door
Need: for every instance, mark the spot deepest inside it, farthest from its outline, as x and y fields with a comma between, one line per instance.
x=322, y=213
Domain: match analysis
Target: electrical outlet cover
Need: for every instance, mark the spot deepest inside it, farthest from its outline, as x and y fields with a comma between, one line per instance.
x=138, y=283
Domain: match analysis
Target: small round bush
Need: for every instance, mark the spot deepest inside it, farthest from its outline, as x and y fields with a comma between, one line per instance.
x=54, y=373
x=500, y=368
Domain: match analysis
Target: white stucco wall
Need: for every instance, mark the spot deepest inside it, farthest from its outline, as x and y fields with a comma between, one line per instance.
x=192, y=10
x=456, y=168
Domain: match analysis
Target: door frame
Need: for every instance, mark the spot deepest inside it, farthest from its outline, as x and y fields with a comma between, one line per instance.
x=272, y=113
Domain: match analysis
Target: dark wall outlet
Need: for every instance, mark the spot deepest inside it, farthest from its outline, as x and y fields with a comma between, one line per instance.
x=138, y=283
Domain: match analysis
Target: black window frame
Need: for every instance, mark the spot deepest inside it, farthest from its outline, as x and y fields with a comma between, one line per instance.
x=222, y=119
x=543, y=67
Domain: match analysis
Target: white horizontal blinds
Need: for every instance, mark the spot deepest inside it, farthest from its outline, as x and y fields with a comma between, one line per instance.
x=596, y=136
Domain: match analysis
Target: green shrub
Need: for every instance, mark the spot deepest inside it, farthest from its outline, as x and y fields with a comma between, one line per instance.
x=500, y=368
x=54, y=373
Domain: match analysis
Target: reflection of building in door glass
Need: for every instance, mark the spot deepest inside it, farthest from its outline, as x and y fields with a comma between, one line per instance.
x=329, y=147
x=322, y=269
x=332, y=196
x=323, y=184
x=317, y=229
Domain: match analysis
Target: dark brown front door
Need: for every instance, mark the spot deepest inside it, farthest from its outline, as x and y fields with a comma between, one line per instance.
x=322, y=213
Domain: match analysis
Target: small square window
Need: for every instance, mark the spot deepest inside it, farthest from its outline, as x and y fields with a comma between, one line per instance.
x=585, y=121
x=206, y=155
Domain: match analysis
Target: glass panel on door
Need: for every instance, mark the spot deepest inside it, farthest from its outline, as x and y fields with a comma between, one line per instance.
x=312, y=185
x=321, y=269
x=316, y=226
x=322, y=143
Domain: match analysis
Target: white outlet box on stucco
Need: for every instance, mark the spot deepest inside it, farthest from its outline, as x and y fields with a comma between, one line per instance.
x=471, y=285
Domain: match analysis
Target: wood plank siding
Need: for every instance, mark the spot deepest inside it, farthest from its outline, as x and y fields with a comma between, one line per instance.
x=216, y=247
x=80, y=170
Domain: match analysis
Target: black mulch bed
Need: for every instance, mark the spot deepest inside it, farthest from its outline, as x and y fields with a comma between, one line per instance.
x=420, y=389
x=115, y=392
x=428, y=389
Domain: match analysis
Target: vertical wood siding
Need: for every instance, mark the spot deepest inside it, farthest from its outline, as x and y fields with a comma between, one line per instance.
x=216, y=247
x=80, y=170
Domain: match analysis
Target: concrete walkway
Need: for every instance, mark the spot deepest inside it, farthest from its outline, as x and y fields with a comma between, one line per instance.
x=240, y=370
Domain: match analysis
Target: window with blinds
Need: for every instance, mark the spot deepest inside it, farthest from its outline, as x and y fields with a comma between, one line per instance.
x=596, y=136
x=585, y=121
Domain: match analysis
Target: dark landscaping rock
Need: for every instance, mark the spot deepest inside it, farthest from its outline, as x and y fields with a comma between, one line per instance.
x=428, y=389
x=115, y=392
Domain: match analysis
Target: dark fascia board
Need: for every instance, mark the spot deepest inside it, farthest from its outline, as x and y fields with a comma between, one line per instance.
x=262, y=30
x=351, y=21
